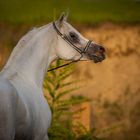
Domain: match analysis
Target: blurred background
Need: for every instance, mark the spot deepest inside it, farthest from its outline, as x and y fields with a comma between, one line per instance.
x=114, y=84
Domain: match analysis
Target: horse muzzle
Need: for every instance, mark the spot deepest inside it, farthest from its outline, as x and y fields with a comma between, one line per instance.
x=96, y=53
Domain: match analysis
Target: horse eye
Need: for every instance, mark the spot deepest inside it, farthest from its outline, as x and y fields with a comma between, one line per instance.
x=74, y=37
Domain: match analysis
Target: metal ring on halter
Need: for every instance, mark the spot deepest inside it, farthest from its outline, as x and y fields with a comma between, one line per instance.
x=86, y=48
x=63, y=36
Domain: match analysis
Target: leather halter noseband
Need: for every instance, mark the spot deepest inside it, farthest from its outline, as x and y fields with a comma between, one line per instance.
x=64, y=37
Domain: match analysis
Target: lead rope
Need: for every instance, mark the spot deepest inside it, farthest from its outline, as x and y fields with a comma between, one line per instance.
x=74, y=61
x=62, y=65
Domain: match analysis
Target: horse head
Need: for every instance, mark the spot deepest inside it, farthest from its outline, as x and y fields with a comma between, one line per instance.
x=72, y=45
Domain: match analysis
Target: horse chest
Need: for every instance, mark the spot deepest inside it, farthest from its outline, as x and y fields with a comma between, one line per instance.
x=36, y=108
x=33, y=114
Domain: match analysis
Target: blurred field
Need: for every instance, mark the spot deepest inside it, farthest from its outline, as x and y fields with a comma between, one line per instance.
x=81, y=11
x=114, y=85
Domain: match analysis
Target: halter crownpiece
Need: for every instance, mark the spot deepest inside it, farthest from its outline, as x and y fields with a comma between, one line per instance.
x=63, y=36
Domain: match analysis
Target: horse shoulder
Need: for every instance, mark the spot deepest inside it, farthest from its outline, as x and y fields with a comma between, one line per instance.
x=7, y=109
x=8, y=94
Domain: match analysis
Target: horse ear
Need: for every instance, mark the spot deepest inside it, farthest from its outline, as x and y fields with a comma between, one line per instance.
x=62, y=18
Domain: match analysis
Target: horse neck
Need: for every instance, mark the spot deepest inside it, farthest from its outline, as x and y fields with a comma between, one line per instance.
x=31, y=60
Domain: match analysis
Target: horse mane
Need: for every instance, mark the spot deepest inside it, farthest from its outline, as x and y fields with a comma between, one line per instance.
x=25, y=39
x=22, y=42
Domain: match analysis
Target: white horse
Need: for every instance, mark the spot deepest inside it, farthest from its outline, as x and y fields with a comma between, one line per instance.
x=24, y=112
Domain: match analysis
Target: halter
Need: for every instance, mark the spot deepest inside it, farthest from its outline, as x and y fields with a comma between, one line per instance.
x=64, y=37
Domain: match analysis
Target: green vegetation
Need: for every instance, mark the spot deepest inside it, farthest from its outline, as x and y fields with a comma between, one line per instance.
x=81, y=11
x=63, y=105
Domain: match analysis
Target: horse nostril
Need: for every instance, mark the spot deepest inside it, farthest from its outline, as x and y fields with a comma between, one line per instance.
x=101, y=49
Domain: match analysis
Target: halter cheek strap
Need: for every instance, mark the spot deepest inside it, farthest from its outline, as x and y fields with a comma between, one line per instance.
x=64, y=37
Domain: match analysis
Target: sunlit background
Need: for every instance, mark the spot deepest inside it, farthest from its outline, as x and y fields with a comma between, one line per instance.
x=114, y=84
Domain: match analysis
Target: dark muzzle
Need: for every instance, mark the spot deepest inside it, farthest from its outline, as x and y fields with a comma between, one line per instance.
x=96, y=52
